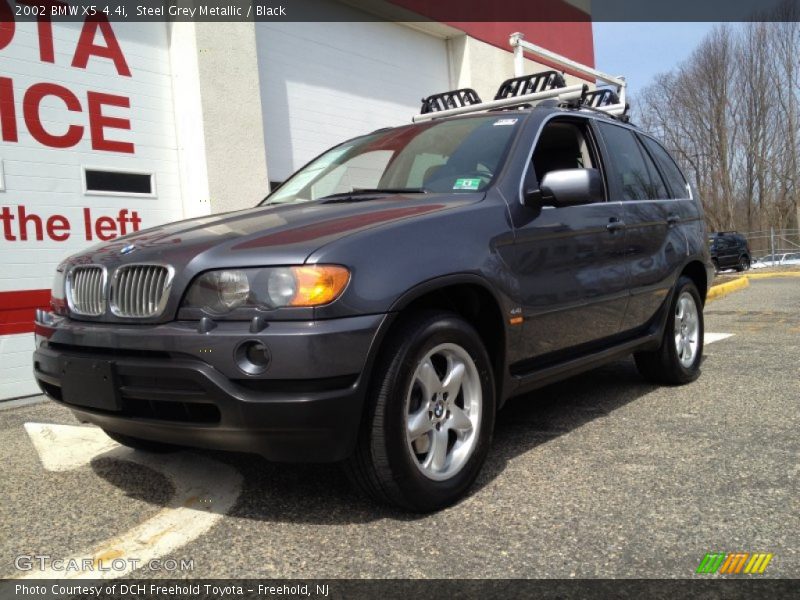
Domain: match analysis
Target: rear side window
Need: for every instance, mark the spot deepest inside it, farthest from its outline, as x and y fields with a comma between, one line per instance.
x=675, y=180
x=635, y=173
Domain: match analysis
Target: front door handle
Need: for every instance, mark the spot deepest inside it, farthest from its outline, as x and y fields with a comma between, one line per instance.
x=615, y=224
x=673, y=219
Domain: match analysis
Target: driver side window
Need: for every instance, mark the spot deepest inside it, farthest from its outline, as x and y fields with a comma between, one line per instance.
x=562, y=145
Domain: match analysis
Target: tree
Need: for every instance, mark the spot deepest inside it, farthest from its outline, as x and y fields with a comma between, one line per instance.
x=729, y=114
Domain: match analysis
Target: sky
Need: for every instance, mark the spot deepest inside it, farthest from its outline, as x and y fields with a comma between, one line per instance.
x=639, y=51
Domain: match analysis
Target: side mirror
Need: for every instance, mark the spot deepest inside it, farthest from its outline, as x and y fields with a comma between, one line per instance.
x=567, y=187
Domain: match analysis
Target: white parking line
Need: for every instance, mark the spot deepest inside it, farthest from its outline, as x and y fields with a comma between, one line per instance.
x=205, y=490
x=710, y=338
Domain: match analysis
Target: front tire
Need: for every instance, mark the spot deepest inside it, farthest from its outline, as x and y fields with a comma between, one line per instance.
x=677, y=360
x=429, y=417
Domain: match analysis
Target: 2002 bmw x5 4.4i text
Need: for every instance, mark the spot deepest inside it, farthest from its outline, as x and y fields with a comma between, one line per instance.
x=382, y=304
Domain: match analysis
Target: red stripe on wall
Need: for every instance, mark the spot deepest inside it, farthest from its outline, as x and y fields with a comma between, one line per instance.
x=554, y=24
x=574, y=40
x=17, y=309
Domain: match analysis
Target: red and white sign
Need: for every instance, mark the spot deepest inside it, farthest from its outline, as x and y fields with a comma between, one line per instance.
x=74, y=96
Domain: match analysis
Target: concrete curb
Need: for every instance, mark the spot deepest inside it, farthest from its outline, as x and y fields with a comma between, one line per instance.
x=723, y=289
x=773, y=275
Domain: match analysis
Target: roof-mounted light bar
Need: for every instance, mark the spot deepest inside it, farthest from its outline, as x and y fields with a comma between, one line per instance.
x=520, y=46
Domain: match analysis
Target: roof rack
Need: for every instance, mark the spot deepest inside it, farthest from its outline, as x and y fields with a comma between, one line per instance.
x=600, y=98
x=530, y=90
x=448, y=100
x=618, y=108
x=529, y=84
x=563, y=94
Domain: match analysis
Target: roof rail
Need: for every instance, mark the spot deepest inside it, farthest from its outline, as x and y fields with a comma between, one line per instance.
x=529, y=90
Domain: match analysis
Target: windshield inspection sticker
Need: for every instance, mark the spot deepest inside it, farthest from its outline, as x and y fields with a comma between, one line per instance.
x=467, y=184
x=504, y=122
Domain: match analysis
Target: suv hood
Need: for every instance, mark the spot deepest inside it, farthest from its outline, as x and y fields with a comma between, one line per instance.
x=265, y=235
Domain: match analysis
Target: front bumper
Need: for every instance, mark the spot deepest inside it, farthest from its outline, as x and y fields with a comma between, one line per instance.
x=179, y=385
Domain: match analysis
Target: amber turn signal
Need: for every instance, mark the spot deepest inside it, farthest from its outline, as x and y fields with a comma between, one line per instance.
x=318, y=284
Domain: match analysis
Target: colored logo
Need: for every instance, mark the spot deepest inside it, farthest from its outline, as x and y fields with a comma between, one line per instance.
x=732, y=563
x=128, y=249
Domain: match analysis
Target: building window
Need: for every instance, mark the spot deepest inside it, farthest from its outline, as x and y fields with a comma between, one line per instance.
x=112, y=182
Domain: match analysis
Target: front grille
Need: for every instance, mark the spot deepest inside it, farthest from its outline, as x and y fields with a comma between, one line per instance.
x=86, y=288
x=140, y=291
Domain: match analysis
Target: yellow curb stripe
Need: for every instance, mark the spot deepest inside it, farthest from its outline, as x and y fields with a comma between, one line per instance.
x=723, y=289
x=773, y=275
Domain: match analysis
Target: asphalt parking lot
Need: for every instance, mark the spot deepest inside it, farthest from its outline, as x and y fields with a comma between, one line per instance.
x=600, y=476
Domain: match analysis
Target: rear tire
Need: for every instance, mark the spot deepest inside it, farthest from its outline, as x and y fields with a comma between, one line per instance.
x=744, y=264
x=141, y=444
x=677, y=360
x=429, y=417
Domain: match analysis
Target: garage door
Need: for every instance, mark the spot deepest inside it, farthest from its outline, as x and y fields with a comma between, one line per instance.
x=88, y=152
x=322, y=83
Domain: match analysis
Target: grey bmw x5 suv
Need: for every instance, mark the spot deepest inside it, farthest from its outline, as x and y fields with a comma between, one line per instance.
x=382, y=304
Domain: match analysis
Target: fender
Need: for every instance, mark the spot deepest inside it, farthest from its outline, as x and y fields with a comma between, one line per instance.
x=659, y=320
x=504, y=383
x=436, y=283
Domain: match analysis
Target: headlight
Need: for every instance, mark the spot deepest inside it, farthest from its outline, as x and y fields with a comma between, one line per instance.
x=220, y=292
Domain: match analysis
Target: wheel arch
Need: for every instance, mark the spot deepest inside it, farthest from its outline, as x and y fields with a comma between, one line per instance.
x=472, y=298
x=696, y=271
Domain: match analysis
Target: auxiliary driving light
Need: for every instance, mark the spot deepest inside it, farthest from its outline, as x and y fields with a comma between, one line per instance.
x=252, y=357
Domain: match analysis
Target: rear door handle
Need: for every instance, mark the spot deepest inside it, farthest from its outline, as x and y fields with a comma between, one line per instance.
x=615, y=224
x=672, y=219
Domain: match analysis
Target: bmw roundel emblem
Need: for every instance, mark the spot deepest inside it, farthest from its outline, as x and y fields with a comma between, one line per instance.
x=128, y=249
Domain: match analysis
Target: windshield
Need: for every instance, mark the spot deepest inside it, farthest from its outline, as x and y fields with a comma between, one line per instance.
x=461, y=155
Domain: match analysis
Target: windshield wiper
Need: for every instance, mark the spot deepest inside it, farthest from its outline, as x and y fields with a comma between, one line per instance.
x=366, y=193
x=416, y=190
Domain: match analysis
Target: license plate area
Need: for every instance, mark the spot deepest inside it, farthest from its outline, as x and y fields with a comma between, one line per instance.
x=90, y=383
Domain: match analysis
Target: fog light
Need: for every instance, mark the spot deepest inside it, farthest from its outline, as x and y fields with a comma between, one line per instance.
x=252, y=357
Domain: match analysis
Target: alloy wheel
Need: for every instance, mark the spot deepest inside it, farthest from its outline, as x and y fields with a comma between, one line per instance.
x=443, y=411
x=687, y=329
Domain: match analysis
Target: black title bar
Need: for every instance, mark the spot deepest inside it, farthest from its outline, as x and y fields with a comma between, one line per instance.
x=402, y=10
